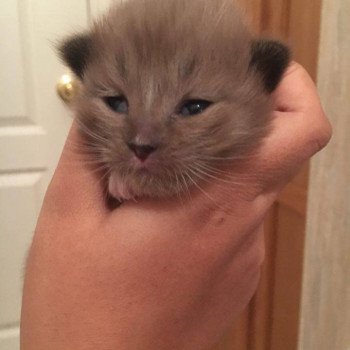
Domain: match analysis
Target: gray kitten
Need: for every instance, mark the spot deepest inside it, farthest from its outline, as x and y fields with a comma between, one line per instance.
x=170, y=88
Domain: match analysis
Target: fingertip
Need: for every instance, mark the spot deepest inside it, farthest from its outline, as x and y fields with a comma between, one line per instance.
x=296, y=90
x=321, y=135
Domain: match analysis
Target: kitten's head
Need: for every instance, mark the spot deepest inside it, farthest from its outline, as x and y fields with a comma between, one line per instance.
x=170, y=88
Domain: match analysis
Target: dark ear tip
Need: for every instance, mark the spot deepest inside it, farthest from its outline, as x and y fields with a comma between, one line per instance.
x=270, y=58
x=75, y=52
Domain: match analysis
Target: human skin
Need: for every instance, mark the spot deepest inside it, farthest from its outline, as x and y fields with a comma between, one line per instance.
x=170, y=274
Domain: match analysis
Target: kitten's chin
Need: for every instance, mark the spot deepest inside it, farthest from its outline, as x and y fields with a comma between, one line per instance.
x=143, y=186
x=119, y=189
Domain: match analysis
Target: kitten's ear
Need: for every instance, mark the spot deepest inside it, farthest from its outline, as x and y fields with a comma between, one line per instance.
x=75, y=52
x=271, y=59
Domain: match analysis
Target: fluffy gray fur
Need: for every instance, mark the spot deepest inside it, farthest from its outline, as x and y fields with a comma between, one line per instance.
x=159, y=54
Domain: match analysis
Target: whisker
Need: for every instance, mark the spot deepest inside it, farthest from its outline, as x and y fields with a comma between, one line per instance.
x=242, y=157
x=222, y=196
x=105, y=171
x=188, y=192
x=177, y=185
x=222, y=174
x=200, y=188
x=180, y=190
x=206, y=174
x=89, y=132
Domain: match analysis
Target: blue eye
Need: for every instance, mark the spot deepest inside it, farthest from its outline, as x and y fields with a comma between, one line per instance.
x=193, y=107
x=118, y=104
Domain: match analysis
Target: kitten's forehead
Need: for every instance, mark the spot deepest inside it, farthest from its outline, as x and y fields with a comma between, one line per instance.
x=157, y=42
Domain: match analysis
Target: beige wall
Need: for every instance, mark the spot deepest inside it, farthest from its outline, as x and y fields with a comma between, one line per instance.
x=325, y=322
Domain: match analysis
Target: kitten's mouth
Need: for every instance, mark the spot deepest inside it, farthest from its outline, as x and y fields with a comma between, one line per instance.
x=139, y=175
x=143, y=166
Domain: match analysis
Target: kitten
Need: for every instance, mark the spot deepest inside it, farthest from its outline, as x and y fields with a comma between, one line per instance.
x=170, y=88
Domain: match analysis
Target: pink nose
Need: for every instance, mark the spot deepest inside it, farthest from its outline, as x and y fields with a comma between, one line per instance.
x=142, y=151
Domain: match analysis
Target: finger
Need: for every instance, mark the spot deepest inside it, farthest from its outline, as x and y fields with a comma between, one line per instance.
x=300, y=127
x=75, y=187
x=296, y=91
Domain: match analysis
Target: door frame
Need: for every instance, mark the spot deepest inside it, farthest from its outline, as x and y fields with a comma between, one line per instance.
x=325, y=308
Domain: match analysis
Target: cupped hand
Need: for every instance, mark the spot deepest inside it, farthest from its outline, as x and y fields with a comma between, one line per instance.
x=168, y=274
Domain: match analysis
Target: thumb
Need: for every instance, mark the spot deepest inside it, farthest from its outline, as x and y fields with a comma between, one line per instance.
x=300, y=127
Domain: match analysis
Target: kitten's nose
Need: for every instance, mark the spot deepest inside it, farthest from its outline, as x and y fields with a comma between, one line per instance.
x=142, y=151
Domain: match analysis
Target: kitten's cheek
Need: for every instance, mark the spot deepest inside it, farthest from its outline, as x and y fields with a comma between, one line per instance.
x=118, y=189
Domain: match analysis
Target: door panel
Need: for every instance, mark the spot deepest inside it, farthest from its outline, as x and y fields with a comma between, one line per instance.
x=9, y=339
x=13, y=101
x=33, y=126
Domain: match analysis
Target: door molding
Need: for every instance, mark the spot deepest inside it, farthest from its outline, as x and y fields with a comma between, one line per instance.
x=325, y=308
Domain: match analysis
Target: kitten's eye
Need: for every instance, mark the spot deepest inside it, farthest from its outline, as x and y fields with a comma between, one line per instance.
x=117, y=103
x=193, y=107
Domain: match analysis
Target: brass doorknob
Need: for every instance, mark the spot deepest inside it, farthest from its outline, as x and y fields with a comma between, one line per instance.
x=67, y=88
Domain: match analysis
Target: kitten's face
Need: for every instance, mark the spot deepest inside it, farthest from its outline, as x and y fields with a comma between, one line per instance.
x=161, y=109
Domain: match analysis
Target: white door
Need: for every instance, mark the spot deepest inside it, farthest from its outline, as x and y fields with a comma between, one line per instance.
x=33, y=126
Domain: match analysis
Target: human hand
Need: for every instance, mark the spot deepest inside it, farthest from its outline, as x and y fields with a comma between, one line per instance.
x=160, y=274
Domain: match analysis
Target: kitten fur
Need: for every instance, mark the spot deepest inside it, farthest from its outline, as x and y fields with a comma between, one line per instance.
x=159, y=54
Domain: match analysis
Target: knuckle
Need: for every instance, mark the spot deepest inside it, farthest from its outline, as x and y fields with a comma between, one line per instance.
x=297, y=68
x=256, y=254
x=260, y=256
x=327, y=133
